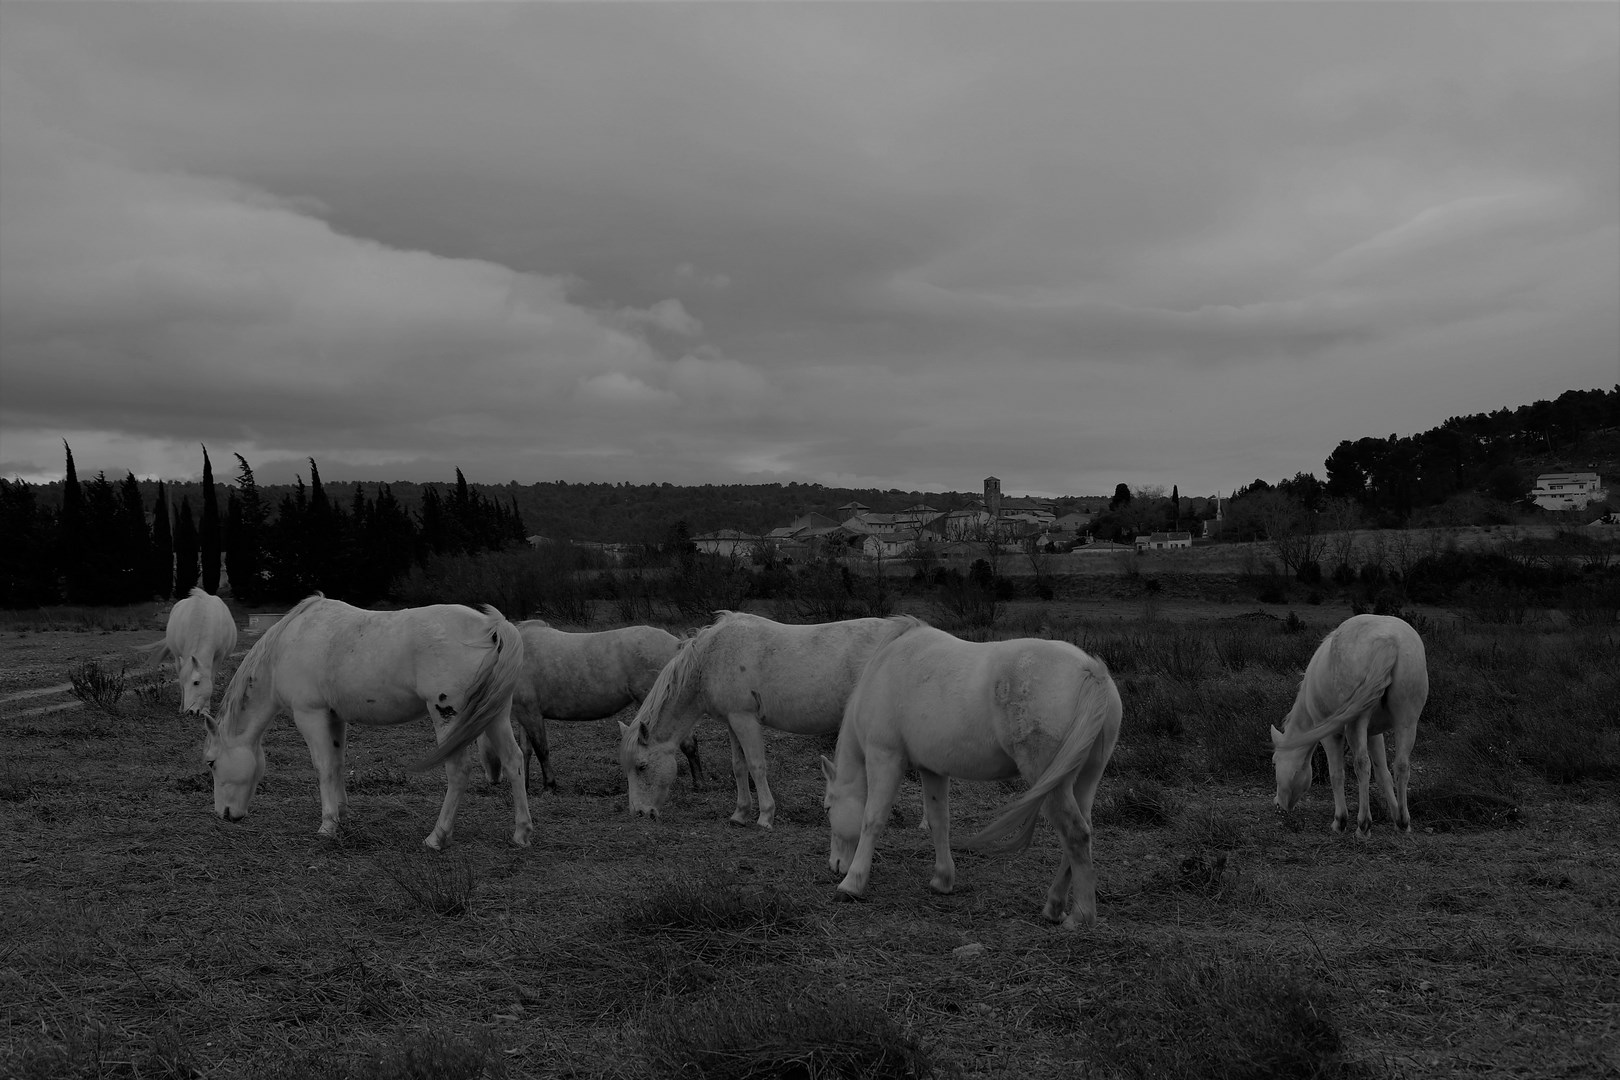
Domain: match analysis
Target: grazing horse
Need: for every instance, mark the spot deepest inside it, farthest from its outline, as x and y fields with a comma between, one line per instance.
x=1367, y=679
x=752, y=671
x=330, y=665
x=201, y=633
x=1029, y=707
x=586, y=677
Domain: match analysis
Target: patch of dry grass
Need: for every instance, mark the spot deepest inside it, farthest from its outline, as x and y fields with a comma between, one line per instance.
x=147, y=938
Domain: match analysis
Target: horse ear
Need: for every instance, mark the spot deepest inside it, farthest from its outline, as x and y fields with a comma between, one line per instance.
x=210, y=725
x=624, y=729
x=828, y=769
x=1276, y=736
x=641, y=733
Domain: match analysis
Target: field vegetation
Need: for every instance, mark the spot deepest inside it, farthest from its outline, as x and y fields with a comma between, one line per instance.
x=148, y=938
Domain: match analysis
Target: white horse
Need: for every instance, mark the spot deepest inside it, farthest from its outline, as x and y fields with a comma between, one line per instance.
x=1039, y=709
x=201, y=633
x=750, y=670
x=330, y=665
x=1368, y=678
x=568, y=676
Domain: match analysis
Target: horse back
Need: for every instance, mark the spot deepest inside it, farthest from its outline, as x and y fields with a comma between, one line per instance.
x=573, y=676
x=802, y=674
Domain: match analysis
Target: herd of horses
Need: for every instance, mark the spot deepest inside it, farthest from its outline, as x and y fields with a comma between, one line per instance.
x=899, y=694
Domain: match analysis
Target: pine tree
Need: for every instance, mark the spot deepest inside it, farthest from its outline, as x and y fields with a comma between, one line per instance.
x=208, y=534
x=1122, y=497
x=323, y=538
x=185, y=549
x=160, y=576
x=70, y=534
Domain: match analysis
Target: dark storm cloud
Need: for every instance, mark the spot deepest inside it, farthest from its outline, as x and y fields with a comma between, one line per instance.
x=908, y=245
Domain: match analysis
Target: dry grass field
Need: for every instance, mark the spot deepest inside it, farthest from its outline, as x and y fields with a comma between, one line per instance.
x=147, y=938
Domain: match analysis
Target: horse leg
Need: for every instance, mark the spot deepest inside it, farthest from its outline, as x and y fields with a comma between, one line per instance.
x=458, y=769
x=746, y=729
x=739, y=773
x=1333, y=746
x=882, y=782
x=324, y=732
x=1357, y=732
x=532, y=737
x=1386, y=785
x=1405, y=736
x=689, y=747
x=1076, y=878
x=512, y=763
x=937, y=816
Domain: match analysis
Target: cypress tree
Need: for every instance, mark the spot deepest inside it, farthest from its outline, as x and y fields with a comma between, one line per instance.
x=27, y=569
x=185, y=549
x=1175, y=507
x=208, y=535
x=248, y=538
x=101, y=552
x=160, y=576
x=136, y=561
x=70, y=533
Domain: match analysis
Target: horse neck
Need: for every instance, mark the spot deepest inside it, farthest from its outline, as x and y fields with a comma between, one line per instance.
x=849, y=761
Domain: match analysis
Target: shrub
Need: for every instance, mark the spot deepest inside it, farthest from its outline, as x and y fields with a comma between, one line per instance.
x=805, y=1031
x=96, y=687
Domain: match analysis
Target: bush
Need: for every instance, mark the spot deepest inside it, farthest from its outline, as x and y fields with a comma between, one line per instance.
x=96, y=687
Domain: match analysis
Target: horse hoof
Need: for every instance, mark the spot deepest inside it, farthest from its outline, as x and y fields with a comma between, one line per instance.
x=433, y=841
x=521, y=839
x=847, y=894
x=739, y=818
x=944, y=886
x=764, y=823
x=1339, y=824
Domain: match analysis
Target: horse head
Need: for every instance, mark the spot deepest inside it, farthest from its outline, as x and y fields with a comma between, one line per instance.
x=844, y=807
x=1294, y=770
x=237, y=762
x=196, y=685
x=649, y=767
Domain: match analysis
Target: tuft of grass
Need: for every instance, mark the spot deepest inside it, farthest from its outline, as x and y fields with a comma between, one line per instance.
x=1221, y=1017
x=16, y=785
x=799, y=1032
x=429, y=1055
x=700, y=906
x=97, y=687
x=1142, y=803
x=441, y=886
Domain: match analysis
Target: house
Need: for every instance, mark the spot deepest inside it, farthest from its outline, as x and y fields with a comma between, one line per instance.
x=729, y=542
x=1567, y=491
x=1161, y=541
x=1101, y=547
x=1072, y=522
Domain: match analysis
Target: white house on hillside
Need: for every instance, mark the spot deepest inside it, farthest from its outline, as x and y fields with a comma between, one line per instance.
x=1160, y=541
x=1566, y=491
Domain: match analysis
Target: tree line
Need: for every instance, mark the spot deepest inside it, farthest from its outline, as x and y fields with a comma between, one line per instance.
x=103, y=544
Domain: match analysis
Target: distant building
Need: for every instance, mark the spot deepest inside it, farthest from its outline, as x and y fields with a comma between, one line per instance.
x=1567, y=491
x=728, y=542
x=1161, y=541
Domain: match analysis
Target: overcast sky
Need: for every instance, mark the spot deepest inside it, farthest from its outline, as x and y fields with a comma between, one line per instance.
x=895, y=245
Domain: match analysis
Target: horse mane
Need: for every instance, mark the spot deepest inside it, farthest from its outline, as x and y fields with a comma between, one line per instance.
x=673, y=677
x=254, y=662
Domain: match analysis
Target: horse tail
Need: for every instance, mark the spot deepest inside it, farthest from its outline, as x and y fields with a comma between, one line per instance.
x=1380, y=673
x=157, y=652
x=1096, y=711
x=490, y=692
